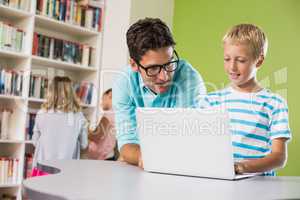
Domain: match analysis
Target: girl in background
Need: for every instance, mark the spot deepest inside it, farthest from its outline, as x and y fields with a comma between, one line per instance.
x=60, y=129
x=102, y=145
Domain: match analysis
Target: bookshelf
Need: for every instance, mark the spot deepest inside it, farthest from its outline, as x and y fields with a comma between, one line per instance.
x=14, y=13
x=30, y=20
x=10, y=54
x=43, y=21
x=61, y=65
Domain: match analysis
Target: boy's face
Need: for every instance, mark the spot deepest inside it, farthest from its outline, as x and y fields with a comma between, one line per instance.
x=240, y=65
x=159, y=83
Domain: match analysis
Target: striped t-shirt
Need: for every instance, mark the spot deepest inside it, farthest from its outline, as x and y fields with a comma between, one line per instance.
x=255, y=120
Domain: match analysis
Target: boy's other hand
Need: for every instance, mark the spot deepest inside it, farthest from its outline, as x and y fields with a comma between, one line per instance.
x=239, y=168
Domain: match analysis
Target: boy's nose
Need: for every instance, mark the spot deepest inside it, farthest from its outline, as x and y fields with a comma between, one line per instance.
x=233, y=66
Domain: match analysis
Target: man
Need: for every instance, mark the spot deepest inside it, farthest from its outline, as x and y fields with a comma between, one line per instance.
x=156, y=77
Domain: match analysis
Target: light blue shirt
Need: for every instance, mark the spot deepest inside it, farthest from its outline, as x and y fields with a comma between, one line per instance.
x=130, y=92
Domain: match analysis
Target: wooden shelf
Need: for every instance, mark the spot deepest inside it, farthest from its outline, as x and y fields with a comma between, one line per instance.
x=13, y=12
x=36, y=100
x=12, y=54
x=9, y=185
x=60, y=64
x=11, y=141
x=11, y=97
x=53, y=24
x=29, y=142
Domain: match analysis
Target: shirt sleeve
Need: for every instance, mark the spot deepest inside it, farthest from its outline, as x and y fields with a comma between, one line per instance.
x=203, y=101
x=83, y=135
x=124, y=108
x=192, y=87
x=279, y=125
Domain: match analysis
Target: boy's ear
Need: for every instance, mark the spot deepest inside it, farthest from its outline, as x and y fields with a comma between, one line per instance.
x=133, y=65
x=260, y=61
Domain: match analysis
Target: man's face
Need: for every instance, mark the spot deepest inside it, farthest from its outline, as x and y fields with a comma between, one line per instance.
x=159, y=83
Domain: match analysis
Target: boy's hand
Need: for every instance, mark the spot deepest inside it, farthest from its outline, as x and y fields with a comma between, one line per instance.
x=239, y=168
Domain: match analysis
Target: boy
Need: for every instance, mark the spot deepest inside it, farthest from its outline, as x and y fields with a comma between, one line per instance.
x=258, y=117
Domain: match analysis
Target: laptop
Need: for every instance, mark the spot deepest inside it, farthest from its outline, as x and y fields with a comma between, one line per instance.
x=187, y=141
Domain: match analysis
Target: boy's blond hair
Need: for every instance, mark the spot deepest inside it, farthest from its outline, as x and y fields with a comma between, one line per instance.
x=248, y=34
x=61, y=96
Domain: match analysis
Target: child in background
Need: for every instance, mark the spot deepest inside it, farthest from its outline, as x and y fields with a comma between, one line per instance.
x=258, y=118
x=60, y=129
x=102, y=145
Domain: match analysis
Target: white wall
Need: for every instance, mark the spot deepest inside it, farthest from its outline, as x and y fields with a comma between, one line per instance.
x=114, y=51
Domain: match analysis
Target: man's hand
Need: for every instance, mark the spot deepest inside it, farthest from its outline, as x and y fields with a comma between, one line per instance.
x=131, y=154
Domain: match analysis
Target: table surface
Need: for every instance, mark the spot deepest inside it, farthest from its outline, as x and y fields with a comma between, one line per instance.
x=109, y=180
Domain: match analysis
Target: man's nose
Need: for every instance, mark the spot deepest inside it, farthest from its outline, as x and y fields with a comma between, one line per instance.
x=163, y=75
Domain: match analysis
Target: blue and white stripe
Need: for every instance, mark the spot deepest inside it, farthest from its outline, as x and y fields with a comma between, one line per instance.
x=255, y=120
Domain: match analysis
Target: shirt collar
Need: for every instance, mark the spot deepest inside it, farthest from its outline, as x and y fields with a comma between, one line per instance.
x=143, y=87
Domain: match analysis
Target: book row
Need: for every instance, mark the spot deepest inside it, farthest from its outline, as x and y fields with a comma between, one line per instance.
x=81, y=13
x=58, y=49
x=9, y=170
x=11, y=38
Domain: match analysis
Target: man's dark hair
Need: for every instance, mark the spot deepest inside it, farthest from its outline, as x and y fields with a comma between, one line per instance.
x=148, y=34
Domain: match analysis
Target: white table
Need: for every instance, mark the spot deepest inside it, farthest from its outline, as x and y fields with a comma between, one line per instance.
x=108, y=180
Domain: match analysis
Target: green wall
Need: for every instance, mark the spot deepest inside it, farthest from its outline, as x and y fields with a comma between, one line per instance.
x=199, y=26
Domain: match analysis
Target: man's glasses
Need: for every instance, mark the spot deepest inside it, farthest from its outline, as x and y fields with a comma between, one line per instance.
x=154, y=70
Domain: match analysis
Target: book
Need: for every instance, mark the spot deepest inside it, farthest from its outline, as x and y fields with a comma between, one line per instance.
x=92, y=3
x=89, y=18
x=14, y=3
x=30, y=121
x=5, y=121
x=28, y=165
x=85, y=55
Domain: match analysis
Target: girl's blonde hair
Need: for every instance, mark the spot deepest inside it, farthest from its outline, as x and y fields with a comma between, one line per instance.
x=61, y=96
x=250, y=35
